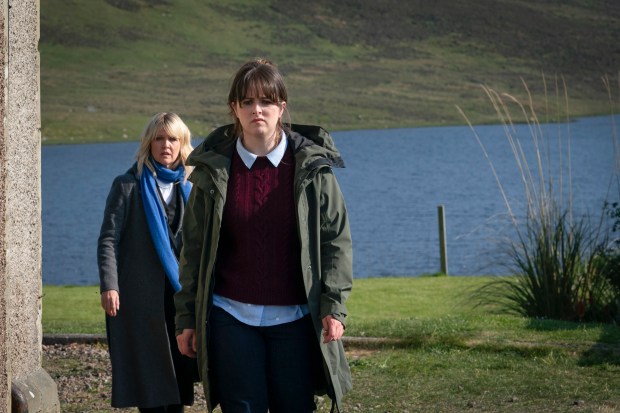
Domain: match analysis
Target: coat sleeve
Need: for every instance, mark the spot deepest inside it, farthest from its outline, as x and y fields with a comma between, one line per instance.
x=336, y=249
x=190, y=260
x=111, y=234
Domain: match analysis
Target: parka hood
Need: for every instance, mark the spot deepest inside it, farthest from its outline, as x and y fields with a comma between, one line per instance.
x=316, y=142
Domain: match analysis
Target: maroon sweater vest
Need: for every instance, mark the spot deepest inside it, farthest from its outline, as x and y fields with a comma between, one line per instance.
x=259, y=255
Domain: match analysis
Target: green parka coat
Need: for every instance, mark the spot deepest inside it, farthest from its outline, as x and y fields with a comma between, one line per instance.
x=323, y=228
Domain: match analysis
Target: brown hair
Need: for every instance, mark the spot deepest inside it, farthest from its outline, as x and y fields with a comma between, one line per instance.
x=259, y=77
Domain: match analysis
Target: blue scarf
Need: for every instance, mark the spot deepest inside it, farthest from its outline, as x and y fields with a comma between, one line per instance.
x=156, y=217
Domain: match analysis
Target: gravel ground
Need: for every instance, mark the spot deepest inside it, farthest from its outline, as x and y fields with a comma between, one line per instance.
x=83, y=375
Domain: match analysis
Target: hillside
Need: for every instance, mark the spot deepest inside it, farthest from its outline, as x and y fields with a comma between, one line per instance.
x=107, y=65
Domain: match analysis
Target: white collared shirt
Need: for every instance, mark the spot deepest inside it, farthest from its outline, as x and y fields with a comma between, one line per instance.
x=275, y=156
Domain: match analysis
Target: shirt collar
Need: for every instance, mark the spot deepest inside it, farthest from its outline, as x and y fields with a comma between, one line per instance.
x=275, y=156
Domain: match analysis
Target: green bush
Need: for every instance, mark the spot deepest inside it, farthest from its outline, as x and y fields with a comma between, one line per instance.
x=561, y=270
x=609, y=259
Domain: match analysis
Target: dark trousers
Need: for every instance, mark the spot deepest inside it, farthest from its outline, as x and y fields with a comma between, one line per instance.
x=261, y=368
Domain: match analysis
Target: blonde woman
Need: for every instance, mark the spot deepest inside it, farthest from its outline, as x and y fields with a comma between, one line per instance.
x=137, y=254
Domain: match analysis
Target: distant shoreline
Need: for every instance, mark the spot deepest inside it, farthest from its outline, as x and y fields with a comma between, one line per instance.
x=573, y=118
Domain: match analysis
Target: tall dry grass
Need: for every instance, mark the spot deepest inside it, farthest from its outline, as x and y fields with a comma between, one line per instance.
x=561, y=261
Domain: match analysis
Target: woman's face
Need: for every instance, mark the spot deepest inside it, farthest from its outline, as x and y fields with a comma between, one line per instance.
x=258, y=116
x=165, y=149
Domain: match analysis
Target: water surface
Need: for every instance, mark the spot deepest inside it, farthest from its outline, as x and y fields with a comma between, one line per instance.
x=393, y=183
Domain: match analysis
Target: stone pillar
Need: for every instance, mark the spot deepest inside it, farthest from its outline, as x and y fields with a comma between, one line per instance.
x=31, y=388
x=5, y=382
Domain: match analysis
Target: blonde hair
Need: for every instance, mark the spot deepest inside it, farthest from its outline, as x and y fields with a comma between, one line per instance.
x=172, y=125
x=258, y=76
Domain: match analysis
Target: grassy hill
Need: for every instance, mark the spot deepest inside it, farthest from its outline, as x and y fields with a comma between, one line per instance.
x=108, y=65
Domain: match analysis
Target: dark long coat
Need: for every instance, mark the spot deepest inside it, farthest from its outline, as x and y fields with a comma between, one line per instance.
x=142, y=366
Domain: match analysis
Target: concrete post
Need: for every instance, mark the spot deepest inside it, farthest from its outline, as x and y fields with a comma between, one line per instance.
x=31, y=388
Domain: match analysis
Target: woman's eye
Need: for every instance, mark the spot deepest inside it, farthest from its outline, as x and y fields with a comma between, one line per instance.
x=267, y=102
x=246, y=102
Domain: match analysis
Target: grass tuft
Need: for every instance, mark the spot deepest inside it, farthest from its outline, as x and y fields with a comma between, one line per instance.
x=560, y=259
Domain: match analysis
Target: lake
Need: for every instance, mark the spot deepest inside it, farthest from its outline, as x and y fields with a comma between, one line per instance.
x=393, y=183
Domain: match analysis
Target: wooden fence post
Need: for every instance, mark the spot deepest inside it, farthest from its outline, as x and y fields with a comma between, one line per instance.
x=443, y=250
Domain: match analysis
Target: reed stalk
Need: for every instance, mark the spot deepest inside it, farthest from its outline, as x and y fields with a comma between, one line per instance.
x=561, y=262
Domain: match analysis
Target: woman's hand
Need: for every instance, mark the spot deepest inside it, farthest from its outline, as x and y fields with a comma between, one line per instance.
x=332, y=329
x=187, y=342
x=110, y=302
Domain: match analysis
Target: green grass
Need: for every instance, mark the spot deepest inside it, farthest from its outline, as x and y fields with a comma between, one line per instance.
x=426, y=309
x=107, y=66
x=448, y=379
x=374, y=302
x=72, y=310
x=447, y=353
x=456, y=356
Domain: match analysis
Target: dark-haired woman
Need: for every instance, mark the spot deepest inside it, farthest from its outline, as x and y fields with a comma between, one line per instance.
x=266, y=265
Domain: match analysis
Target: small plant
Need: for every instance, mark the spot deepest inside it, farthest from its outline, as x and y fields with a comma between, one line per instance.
x=609, y=260
x=563, y=266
